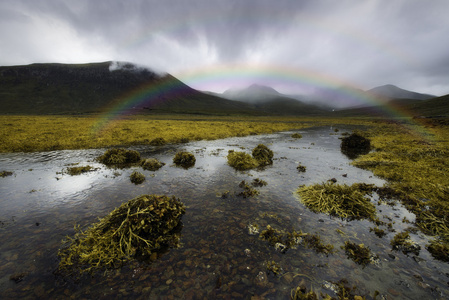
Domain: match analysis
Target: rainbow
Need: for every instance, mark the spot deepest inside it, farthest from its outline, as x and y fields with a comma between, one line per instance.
x=231, y=75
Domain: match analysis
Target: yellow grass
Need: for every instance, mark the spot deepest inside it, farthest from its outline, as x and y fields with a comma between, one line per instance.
x=43, y=133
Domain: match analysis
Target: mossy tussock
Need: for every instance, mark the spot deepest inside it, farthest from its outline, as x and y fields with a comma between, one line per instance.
x=137, y=177
x=184, y=159
x=151, y=164
x=260, y=156
x=139, y=228
x=402, y=242
x=346, y=202
x=355, y=145
x=119, y=157
x=296, y=135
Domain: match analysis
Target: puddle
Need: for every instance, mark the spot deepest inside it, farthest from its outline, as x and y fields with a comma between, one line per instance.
x=218, y=259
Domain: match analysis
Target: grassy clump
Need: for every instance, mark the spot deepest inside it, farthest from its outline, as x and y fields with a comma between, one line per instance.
x=301, y=168
x=184, y=159
x=119, y=157
x=137, y=177
x=137, y=229
x=360, y=254
x=263, y=155
x=5, y=173
x=377, y=231
x=79, y=170
x=439, y=250
x=296, y=135
x=355, y=145
x=240, y=160
x=151, y=164
x=346, y=202
x=402, y=242
x=313, y=241
x=158, y=142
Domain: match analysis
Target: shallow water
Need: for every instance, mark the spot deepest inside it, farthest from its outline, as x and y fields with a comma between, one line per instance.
x=39, y=206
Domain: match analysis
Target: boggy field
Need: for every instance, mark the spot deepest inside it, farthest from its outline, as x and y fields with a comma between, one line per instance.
x=306, y=220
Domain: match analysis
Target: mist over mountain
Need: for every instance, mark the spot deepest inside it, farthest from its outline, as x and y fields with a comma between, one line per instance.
x=255, y=93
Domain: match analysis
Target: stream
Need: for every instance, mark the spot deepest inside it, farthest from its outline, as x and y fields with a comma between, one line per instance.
x=219, y=258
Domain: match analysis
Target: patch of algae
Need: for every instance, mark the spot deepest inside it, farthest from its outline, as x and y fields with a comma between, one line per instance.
x=138, y=228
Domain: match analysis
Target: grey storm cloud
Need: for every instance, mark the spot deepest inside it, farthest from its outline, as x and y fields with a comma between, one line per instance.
x=368, y=43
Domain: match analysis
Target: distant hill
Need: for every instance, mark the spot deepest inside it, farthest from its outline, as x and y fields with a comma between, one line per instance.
x=95, y=87
x=434, y=107
x=393, y=92
x=270, y=101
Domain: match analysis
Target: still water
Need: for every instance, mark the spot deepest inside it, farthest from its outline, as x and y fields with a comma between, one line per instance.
x=219, y=258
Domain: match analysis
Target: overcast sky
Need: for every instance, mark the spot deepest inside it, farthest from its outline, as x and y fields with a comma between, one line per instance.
x=291, y=45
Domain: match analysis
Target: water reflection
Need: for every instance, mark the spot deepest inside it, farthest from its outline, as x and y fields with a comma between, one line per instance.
x=219, y=257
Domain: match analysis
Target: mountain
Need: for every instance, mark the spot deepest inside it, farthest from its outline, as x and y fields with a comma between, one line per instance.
x=255, y=93
x=98, y=87
x=393, y=92
x=270, y=101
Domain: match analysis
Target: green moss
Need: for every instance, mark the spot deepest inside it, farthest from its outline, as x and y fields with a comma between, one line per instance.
x=5, y=173
x=240, y=160
x=137, y=177
x=296, y=136
x=402, y=242
x=346, y=202
x=79, y=170
x=184, y=159
x=137, y=229
x=263, y=155
x=119, y=157
x=360, y=254
x=158, y=142
x=151, y=164
x=355, y=145
x=439, y=250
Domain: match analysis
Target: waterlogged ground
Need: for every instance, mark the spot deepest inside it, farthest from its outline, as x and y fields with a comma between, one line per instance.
x=219, y=258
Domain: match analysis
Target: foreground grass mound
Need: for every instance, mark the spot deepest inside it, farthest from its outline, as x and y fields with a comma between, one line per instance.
x=346, y=202
x=119, y=156
x=138, y=228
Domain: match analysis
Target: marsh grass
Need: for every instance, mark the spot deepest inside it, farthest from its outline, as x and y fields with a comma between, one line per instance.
x=139, y=228
x=414, y=159
x=6, y=173
x=151, y=164
x=137, y=177
x=184, y=159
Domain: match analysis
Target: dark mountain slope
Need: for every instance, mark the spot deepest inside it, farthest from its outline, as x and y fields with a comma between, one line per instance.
x=93, y=88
